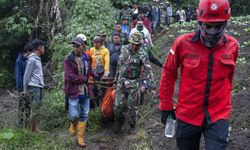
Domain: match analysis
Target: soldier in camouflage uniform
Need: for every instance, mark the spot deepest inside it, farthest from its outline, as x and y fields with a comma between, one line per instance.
x=162, y=14
x=131, y=60
x=126, y=12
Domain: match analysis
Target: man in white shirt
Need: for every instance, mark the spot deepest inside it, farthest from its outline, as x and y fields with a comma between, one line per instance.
x=141, y=28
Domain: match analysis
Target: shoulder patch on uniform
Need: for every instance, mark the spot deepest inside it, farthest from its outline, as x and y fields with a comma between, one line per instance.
x=172, y=51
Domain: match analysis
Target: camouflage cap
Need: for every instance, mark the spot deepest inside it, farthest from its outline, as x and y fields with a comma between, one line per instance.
x=102, y=33
x=124, y=17
x=136, y=38
x=97, y=39
x=126, y=4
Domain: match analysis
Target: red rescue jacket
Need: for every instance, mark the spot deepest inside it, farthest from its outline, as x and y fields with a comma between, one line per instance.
x=205, y=79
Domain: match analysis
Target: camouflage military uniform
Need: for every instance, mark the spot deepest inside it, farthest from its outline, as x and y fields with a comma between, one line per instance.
x=24, y=110
x=144, y=81
x=163, y=14
x=126, y=13
x=128, y=82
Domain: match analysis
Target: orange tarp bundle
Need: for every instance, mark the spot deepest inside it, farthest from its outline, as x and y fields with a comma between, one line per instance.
x=107, y=105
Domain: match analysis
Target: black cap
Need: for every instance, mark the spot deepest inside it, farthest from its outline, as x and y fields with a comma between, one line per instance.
x=97, y=39
x=78, y=41
x=35, y=43
x=116, y=34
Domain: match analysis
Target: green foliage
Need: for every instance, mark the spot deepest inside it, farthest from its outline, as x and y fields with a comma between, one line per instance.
x=119, y=3
x=88, y=17
x=247, y=30
x=6, y=135
x=241, y=60
x=53, y=112
x=23, y=139
x=6, y=78
x=54, y=116
x=240, y=7
x=94, y=123
x=17, y=25
x=61, y=49
x=247, y=43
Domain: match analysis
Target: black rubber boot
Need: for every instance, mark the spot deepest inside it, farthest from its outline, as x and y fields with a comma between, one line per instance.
x=117, y=127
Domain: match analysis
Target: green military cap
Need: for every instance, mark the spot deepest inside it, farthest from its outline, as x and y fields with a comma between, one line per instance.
x=102, y=33
x=136, y=38
x=126, y=4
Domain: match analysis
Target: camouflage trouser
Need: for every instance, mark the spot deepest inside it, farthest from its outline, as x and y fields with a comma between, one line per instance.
x=126, y=100
x=35, y=97
x=23, y=110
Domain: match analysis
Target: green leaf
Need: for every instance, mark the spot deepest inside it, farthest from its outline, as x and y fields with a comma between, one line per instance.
x=7, y=135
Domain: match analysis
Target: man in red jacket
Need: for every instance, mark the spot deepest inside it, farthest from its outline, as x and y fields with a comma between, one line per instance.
x=207, y=61
x=77, y=71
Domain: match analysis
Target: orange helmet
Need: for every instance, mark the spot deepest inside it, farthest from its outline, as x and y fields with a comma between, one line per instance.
x=213, y=11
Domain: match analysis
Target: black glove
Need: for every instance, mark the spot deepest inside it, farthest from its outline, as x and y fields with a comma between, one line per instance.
x=165, y=114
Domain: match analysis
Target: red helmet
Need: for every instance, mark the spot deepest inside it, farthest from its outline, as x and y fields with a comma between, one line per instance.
x=213, y=11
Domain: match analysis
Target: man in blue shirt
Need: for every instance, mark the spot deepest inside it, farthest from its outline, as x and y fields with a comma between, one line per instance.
x=20, y=66
x=23, y=103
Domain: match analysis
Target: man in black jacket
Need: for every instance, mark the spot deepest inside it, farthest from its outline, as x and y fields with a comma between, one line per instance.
x=115, y=51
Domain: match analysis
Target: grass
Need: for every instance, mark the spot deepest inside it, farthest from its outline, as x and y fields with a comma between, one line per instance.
x=54, y=120
x=241, y=60
x=25, y=140
x=140, y=141
x=94, y=123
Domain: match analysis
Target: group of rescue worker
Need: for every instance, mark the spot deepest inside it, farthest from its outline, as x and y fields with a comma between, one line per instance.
x=122, y=63
x=154, y=16
x=206, y=58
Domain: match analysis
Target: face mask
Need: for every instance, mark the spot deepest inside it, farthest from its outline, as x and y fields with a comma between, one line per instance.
x=211, y=36
x=139, y=28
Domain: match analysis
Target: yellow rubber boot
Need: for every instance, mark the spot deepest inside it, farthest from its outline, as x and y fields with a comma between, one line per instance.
x=72, y=128
x=80, y=133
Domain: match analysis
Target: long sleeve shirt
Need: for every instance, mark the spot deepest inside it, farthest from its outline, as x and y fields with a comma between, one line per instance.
x=33, y=75
x=100, y=56
x=205, y=79
x=20, y=66
x=147, y=35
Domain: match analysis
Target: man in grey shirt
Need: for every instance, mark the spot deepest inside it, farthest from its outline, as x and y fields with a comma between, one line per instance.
x=33, y=82
x=169, y=11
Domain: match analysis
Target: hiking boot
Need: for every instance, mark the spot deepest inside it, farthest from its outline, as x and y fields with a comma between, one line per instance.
x=73, y=128
x=132, y=129
x=117, y=127
x=35, y=124
x=80, y=133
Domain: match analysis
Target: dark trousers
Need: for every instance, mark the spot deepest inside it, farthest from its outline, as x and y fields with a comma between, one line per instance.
x=23, y=110
x=215, y=135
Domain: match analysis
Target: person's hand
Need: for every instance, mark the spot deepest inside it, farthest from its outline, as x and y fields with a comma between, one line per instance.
x=165, y=114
